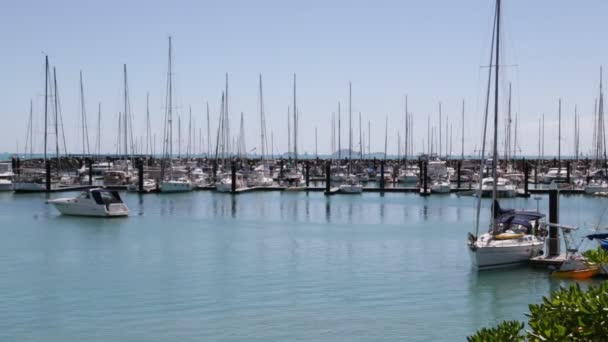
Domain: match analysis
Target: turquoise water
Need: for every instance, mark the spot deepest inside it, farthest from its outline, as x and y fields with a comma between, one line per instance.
x=258, y=267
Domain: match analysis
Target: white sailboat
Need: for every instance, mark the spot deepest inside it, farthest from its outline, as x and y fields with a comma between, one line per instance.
x=6, y=176
x=171, y=183
x=514, y=236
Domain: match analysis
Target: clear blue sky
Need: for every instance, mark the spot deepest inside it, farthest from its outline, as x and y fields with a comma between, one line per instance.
x=431, y=50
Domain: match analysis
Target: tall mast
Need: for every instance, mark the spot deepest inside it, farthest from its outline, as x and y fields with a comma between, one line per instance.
x=46, y=102
x=495, y=157
x=462, y=133
x=126, y=111
x=339, y=134
x=189, y=147
x=350, y=127
x=98, y=149
x=208, y=132
x=508, y=133
x=85, y=133
x=295, y=123
x=148, y=142
x=406, y=139
x=360, y=139
x=262, y=123
x=288, y=132
x=559, y=136
x=440, y=147
x=369, y=138
x=56, y=119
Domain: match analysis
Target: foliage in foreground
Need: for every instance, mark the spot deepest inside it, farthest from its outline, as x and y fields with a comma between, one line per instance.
x=597, y=256
x=569, y=314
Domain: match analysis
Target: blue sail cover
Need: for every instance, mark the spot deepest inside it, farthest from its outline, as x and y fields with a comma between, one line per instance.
x=602, y=238
x=510, y=217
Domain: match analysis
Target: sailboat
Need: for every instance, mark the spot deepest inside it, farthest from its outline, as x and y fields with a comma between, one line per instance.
x=514, y=236
x=352, y=184
x=172, y=183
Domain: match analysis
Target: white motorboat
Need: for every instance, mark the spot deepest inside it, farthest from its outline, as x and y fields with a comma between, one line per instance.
x=555, y=174
x=351, y=186
x=258, y=178
x=6, y=177
x=181, y=184
x=93, y=202
x=408, y=176
x=441, y=187
x=596, y=187
x=504, y=188
x=225, y=184
x=148, y=186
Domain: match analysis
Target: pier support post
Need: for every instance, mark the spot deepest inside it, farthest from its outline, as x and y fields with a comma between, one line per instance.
x=233, y=170
x=90, y=164
x=281, y=169
x=48, y=175
x=140, y=175
x=214, y=165
x=425, y=184
x=526, y=176
x=327, y=177
x=553, y=240
x=14, y=163
x=307, y=174
x=459, y=167
x=18, y=169
x=568, y=172
x=382, y=175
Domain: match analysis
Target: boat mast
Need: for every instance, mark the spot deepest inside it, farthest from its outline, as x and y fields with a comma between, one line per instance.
x=295, y=124
x=350, y=128
x=85, y=134
x=208, y=132
x=148, y=141
x=360, y=139
x=559, y=137
x=496, y=79
x=385, y=137
x=262, y=121
x=46, y=103
x=339, y=135
x=406, y=139
x=462, y=133
x=56, y=119
x=485, y=127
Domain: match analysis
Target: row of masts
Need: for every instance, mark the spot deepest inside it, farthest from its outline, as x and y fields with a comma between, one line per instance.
x=438, y=141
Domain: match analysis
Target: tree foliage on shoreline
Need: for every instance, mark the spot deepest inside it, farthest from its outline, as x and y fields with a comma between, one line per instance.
x=569, y=314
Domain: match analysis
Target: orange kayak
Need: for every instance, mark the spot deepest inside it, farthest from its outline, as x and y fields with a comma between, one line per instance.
x=585, y=273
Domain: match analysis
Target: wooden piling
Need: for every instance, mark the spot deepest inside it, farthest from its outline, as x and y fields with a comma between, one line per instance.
x=381, y=175
x=233, y=170
x=553, y=240
x=327, y=177
x=307, y=165
x=48, y=175
x=140, y=175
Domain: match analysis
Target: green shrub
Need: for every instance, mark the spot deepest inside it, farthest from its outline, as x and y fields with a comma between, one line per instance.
x=569, y=314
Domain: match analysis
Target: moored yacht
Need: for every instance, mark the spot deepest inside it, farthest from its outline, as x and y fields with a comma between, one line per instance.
x=93, y=202
x=514, y=237
x=351, y=186
x=6, y=177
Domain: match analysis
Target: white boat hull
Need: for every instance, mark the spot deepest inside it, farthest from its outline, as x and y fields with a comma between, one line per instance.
x=175, y=186
x=29, y=187
x=6, y=185
x=71, y=208
x=505, y=253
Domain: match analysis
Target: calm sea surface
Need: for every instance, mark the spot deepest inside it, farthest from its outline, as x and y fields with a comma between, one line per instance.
x=259, y=267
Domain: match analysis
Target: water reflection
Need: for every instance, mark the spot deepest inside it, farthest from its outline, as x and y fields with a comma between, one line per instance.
x=327, y=209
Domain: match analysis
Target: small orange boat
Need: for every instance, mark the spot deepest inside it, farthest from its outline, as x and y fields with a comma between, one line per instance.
x=576, y=269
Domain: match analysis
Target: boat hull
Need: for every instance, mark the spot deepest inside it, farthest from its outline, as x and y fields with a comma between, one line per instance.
x=168, y=187
x=577, y=274
x=72, y=209
x=491, y=257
